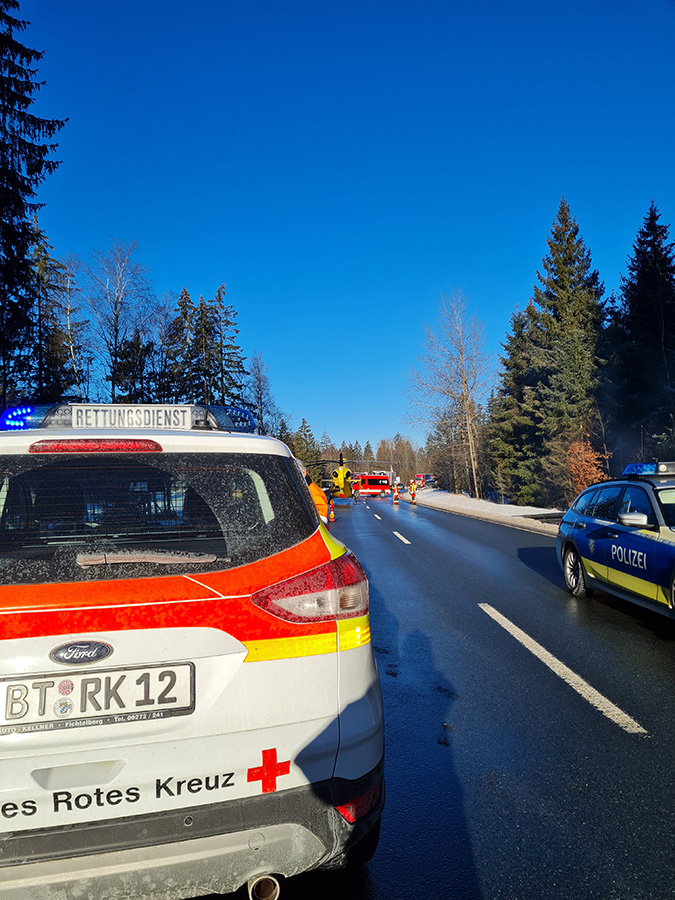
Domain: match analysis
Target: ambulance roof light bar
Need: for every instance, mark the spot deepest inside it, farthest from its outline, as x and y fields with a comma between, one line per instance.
x=234, y=418
x=21, y=418
x=126, y=416
x=636, y=470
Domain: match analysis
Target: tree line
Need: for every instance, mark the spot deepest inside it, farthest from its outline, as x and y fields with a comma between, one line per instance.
x=585, y=383
x=94, y=330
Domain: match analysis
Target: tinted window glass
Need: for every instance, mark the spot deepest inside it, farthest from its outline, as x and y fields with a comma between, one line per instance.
x=635, y=500
x=583, y=502
x=604, y=503
x=667, y=501
x=76, y=518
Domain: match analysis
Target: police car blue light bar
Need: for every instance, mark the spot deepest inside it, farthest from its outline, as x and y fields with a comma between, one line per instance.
x=650, y=468
x=640, y=469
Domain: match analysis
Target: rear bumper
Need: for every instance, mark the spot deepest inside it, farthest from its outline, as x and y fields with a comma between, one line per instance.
x=189, y=852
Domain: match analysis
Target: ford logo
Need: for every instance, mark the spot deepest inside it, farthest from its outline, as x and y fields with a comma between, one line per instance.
x=80, y=652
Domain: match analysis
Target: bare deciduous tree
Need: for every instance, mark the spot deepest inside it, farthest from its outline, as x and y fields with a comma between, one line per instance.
x=455, y=374
x=258, y=393
x=73, y=327
x=117, y=290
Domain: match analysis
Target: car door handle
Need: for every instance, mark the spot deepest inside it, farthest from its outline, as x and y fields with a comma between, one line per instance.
x=612, y=535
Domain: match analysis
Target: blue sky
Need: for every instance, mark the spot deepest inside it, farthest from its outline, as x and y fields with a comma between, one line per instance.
x=339, y=166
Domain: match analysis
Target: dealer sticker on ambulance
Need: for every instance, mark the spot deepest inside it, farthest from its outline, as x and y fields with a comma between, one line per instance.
x=105, y=697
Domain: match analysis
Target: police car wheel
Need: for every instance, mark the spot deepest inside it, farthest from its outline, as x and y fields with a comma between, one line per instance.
x=575, y=582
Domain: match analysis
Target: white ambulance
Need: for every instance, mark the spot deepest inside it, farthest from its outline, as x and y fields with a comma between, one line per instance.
x=189, y=700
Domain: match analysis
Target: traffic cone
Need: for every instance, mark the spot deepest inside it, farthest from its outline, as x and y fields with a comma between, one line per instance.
x=395, y=493
x=331, y=518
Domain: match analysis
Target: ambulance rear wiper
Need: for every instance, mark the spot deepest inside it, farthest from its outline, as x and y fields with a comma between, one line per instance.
x=159, y=557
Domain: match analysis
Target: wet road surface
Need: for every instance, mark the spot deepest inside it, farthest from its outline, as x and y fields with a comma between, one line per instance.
x=529, y=734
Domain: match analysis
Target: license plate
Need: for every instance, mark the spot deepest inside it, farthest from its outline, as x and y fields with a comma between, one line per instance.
x=102, y=697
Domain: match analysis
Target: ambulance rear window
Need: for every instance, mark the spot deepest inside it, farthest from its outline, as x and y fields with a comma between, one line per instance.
x=70, y=517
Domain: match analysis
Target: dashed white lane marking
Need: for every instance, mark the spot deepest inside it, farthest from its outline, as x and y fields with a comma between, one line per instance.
x=401, y=538
x=377, y=517
x=595, y=698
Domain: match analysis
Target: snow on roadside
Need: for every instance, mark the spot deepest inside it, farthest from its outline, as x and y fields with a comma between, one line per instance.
x=505, y=513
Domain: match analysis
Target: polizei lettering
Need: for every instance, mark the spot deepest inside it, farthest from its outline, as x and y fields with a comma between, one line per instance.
x=173, y=787
x=628, y=557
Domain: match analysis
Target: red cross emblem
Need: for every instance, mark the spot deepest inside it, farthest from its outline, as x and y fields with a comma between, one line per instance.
x=269, y=771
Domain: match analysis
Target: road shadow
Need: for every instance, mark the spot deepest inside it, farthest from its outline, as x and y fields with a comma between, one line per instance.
x=425, y=839
x=544, y=562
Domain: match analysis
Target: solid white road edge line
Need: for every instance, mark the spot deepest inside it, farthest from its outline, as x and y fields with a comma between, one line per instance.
x=401, y=538
x=595, y=698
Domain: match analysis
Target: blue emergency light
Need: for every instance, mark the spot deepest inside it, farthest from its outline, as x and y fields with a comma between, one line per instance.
x=640, y=469
x=650, y=468
x=234, y=418
x=20, y=418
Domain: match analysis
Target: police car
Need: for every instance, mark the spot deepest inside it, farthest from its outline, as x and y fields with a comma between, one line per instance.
x=619, y=536
x=189, y=700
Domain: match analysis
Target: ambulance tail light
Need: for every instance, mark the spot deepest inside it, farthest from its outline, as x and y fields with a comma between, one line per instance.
x=95, y=445
x=336, y=590
x=359, y=807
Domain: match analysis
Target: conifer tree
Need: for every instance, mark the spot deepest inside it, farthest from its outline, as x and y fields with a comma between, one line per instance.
x=230, y=370
x=179, y=379
x=204, y=354
x=347, y=450
x=513, y=438
x=570, y=318
x=306, y=449
x=135, y=382
x=446, y=452
x=548, y=395
x=286, y=435
x=25, y=160
x=644, y=322
x=325, y=443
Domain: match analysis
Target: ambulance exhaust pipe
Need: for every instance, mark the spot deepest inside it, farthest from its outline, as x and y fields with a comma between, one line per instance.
x=263, y=887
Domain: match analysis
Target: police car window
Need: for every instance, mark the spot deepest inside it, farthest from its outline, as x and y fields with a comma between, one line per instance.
x=582, y=503
x=635, y=500
x=604, y=504
x=667, y=501
x=121, y=516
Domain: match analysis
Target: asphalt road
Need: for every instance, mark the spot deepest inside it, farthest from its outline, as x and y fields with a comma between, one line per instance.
x=510, y=773
x=529, y=734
